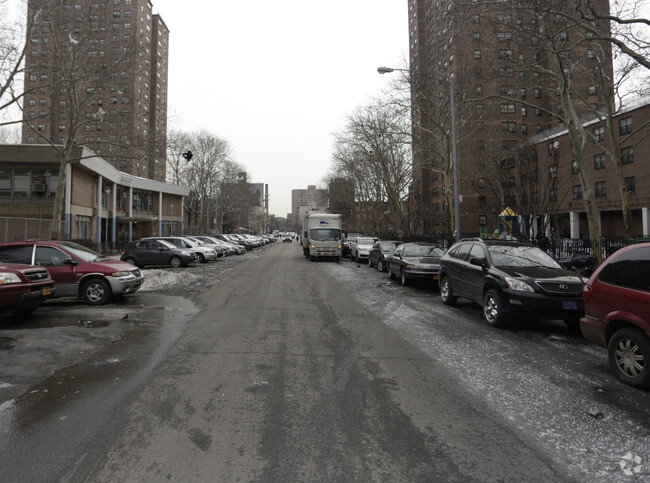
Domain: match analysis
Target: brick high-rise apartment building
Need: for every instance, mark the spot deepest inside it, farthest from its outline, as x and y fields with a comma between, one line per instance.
x=96, y=75
x=500, y=58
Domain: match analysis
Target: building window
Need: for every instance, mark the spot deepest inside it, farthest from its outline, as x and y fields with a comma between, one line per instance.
x=477, y=53
x=539, y=128
x=505, y=54
x=625, y=125
x=599, y=134
x=504, y=36
x=482, y=220
x=552, y=171
x=524, y=111
x=590, y=54
x=482, y=183
x=599, y=161
x=537, y=93
x=628, y=156
x=601, y=189
x=552, y=194
x=507, y=108
x=509, y=126
x=83, y=227
x=482, y=200
x=477, y=36
x=576, y=192
x=574, y=166
x=524, y=128
x=593, y=90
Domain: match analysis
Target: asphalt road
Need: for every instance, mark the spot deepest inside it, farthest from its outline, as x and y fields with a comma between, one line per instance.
x=316, y=371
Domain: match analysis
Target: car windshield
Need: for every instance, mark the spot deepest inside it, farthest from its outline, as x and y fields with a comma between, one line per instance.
x=520, y=256
x=83, y=253
x=422, y=251
x=325, y=234
x=365, y=241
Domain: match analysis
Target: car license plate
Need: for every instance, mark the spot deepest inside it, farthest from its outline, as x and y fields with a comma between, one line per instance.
x=47, y=291
x=435, y=277
x=569, y=305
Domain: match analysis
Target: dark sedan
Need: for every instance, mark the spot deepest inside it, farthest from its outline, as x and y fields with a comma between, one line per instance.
x=379, y=253
x=156, y=252
x=415, y=261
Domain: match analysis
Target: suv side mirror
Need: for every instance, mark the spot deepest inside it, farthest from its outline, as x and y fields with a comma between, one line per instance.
x=479, y=262
x=71, y=261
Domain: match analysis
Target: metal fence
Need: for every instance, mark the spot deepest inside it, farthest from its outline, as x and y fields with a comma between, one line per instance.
x=12, y=229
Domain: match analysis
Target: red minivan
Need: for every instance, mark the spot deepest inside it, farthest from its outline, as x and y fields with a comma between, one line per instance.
x=617, y=312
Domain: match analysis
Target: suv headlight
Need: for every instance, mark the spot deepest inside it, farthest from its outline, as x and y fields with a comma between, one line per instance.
x=121, y=274
x=518, y=285
x=9, y=278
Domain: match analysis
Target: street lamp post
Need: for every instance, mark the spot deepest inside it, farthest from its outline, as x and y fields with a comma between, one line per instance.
x=454, y=152
x=172, y=230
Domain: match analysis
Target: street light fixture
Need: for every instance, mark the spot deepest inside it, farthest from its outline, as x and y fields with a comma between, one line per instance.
x=454, y=152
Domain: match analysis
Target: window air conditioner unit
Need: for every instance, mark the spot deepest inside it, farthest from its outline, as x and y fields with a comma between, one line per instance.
x=576, y=196
x=38, y=187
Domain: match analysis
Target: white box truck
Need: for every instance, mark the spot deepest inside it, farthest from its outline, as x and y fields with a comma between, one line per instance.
x=322, y=235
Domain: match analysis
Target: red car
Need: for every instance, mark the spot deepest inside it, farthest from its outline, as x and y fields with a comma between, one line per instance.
x=76, y=270
x=23, y=288
x=617, y=312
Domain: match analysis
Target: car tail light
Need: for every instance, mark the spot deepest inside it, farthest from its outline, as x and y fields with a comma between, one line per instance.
x=586, y=293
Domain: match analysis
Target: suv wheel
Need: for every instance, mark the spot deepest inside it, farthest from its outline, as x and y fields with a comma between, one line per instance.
x=629, y=355
x=493, y=308
x=96, y=291
x=446, y=295
x=380, y=265
x=175, y=262
x=201, y=258
x=403, y=278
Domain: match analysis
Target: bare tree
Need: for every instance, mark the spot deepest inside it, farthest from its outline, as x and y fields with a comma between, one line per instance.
x=210, y=174
x=373, y=151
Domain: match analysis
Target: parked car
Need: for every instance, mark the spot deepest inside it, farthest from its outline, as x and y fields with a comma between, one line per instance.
x=287, y=237
x=203, y=254
x=360, y=248
x=23, y=288
x=617, y=312
x=219, y=249
x=77, y=271
x=379, y=253
x=415, y=260
x=229, y=248
x=347, y=243
x=508, y=277
x=142, y=253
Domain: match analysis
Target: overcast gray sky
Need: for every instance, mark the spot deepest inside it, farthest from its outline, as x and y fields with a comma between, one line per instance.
x=277, y=78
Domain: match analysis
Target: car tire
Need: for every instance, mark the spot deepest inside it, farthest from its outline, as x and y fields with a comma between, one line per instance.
x=176, y=262
x=446, y=294
x=403, y=278
x=96, y=291
x=629, y=356
x=201, y=258
x=391, y=275
x=380, y=265
x=493, y=309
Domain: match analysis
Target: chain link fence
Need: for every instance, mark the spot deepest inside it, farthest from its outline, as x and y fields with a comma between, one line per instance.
x=12, y=229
